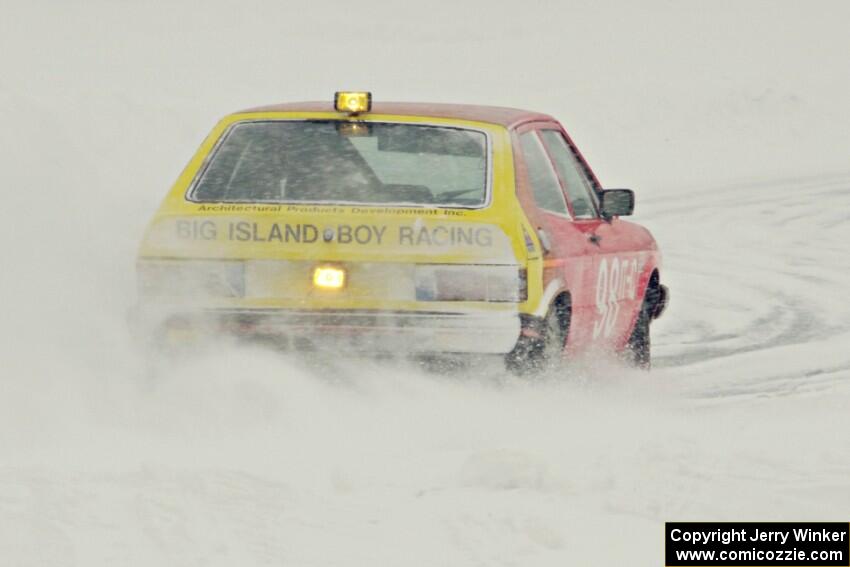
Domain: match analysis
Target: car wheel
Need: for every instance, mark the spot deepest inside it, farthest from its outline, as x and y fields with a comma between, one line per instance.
x=638, y=349
x=533, y=355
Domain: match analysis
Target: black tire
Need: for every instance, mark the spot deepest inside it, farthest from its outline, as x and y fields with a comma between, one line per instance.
x=638, y=352
x=534, y=355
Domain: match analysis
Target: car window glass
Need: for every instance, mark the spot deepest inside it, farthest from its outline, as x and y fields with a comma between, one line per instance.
x=575, y=182
x=329, y=162
x=544, y=183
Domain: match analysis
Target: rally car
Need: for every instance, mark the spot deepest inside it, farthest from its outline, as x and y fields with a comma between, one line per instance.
x=400, y=228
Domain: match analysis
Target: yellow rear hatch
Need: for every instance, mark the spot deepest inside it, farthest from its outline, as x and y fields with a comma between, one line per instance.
x=473, y=258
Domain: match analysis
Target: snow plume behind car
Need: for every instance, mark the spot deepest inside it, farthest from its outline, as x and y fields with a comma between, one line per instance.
x=250, y=453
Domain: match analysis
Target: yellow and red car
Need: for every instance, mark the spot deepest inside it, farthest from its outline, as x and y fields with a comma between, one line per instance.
x=400, y=227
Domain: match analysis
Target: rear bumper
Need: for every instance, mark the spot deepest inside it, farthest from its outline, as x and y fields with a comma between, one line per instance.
x=369, y=331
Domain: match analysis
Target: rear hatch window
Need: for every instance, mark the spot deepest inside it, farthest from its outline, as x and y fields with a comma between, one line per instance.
x=346, y=163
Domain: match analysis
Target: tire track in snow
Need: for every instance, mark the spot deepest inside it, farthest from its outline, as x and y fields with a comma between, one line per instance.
x=755, y=271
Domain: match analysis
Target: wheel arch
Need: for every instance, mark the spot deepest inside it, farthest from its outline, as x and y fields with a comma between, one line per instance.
x=647, y=286
x=654, y=280
x=563, y=303
x=656, y=295
x=556, y=296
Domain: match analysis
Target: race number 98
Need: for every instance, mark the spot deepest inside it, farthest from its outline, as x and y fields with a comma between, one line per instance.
x=614, y=283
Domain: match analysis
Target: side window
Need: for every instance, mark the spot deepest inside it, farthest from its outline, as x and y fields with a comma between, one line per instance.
x=577, y=186
x=544, y=183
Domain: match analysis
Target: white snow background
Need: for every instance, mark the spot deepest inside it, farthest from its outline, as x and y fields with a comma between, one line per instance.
x=731, y=120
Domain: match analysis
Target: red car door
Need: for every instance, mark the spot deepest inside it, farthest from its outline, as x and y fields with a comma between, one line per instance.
x=619, y=249
x=567, y=255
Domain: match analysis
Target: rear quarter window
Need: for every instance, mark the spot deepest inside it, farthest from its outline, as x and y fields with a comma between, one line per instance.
x=545, y=187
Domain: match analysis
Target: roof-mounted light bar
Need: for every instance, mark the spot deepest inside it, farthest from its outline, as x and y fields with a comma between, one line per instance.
x=353, y=102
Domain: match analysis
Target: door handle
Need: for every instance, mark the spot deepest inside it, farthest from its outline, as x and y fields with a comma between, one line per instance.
x=594, y=239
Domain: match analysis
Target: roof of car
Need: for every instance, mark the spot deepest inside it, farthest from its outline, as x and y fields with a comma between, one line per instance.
x=508, y=117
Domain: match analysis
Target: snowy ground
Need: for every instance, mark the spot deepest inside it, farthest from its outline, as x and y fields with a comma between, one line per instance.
x=737, y=142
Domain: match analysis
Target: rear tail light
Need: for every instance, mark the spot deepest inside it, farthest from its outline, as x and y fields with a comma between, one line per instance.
x=495, y=283
x=191, y=278
x=328, y=277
